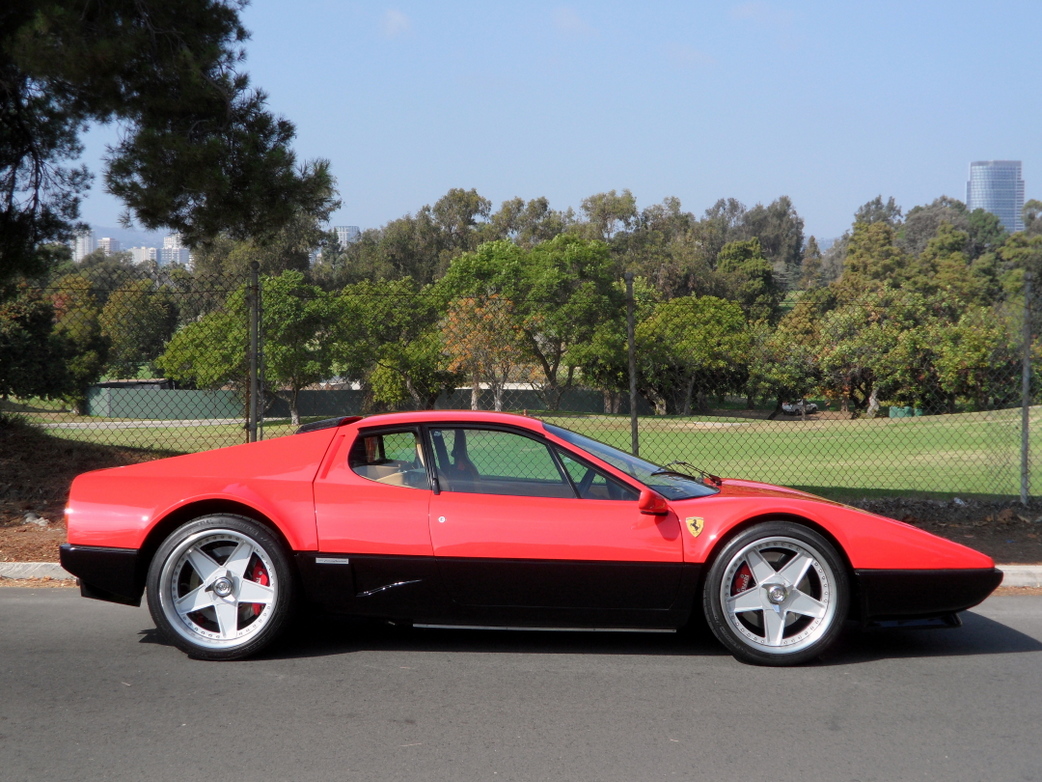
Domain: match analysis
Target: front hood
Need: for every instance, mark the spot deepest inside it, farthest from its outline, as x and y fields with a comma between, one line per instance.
x=739, y=488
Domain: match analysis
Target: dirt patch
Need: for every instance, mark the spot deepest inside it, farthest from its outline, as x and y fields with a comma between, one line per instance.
x=36, y=471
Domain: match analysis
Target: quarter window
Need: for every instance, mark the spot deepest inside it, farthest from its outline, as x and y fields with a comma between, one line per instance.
x=392, y=458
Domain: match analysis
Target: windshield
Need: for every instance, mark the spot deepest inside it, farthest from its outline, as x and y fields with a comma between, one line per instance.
x=671, y=485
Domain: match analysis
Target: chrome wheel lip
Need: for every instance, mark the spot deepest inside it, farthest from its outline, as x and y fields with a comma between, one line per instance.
x=779, y=593
x=219, y=590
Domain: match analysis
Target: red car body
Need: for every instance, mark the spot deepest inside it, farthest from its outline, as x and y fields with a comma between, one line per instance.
x=367, y=534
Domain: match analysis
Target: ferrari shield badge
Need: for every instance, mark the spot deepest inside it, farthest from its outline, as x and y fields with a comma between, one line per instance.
x=695, y=525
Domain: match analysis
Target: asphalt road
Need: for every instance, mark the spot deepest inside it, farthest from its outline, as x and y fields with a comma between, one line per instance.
x=87, y=693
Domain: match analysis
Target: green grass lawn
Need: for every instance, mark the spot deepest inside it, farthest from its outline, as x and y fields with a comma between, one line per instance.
x=943, y=456
x=965, y=455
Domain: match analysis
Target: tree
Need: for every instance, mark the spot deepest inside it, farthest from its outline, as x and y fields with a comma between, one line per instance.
x=32, y=357
x=856, y=344
x=483, y=342
x=137, y=320
x=199, y=154
x=750, y=279
x=876, y=211
x=77, y=326
x=1032, y=213
x=212, y=351
x=297, y=321
x=922, y=223
x=526, y=224
x=387, y=336
x=456, y=213
x=872, y=260
x=782, y=363
x=779, y=229
x=609, y=213
x=690, y=348
x=561, y=291
x=811, y=270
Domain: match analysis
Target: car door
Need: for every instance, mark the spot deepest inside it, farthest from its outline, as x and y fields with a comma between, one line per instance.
x=510, y=528
x=371, y=510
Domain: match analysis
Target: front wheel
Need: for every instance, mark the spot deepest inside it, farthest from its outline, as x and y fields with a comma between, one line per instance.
x=777, y=594
x=220, y=588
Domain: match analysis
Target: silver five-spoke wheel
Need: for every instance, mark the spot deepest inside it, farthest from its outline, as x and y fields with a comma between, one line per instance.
x=777, y=594
x=219, y=588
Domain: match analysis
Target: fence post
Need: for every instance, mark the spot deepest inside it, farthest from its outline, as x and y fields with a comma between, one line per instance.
x=1025, y=394
x=634, y=437
x=254, y=298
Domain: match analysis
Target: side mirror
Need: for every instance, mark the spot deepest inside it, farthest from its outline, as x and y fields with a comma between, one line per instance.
x=652, y=504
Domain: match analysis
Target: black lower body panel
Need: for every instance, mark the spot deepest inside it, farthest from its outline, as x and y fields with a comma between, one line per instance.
x=113, y=574
x=887, y=594
x=499, y=593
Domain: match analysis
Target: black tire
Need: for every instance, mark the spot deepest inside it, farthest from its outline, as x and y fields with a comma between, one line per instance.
x=777, y=594
x=220, y=588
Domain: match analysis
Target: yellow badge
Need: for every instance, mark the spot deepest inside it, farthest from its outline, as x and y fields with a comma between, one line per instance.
x=695, y=525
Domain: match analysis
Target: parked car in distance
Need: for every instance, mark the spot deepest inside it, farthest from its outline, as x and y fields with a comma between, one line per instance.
x=799, y=407
x=459, y=518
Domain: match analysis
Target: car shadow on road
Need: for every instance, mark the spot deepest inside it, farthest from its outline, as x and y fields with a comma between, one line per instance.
x=978, y=635
x=322, y=635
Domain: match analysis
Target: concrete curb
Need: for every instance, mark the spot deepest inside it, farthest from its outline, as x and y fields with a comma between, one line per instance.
x=1014, y=575
x=33, y=570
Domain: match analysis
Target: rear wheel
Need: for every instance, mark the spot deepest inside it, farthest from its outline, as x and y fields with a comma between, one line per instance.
x=777, y=594
x=220, y=588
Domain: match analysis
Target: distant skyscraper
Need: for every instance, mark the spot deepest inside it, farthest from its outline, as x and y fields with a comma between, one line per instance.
x=109, y=245
x=142, y=254
x=83, y=244
x=995, y=186
x=173, y=251
x=347, y=234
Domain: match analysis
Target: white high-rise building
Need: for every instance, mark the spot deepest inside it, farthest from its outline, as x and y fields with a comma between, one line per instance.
x=173, y=251
x=109, y=245
x=142, y=254
x=83, y=244
x=347, y=234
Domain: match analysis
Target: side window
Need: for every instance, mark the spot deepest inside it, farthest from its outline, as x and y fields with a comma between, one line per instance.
x=489, y=461
x=392, y=458
x=592, y=484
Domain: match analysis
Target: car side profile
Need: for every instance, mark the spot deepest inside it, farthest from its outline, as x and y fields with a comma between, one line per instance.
x=461, y=518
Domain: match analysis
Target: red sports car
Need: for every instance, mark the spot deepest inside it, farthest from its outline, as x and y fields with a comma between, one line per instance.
x=497, y=520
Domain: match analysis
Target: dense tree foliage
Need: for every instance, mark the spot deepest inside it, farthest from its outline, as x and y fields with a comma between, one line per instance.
x=920, y=311
x=199, y=151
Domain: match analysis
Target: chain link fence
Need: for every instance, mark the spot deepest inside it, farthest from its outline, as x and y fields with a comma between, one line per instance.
x=169, y=361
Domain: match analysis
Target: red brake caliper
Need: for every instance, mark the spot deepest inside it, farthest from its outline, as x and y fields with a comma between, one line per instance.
x=259, y=574
x=743, y=579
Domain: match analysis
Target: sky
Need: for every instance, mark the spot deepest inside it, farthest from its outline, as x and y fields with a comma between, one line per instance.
x=830, y=103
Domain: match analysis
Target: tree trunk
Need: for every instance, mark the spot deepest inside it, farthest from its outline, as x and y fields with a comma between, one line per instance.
x=294, y=409
x=873, y=403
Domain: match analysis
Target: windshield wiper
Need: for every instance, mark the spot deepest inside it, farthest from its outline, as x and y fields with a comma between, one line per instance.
x=702, y=474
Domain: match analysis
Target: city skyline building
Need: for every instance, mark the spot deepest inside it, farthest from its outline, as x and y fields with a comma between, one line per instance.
x=347, y=234
x=996, y=186
x=83, y=244
x=140, y=255
x=109, y=245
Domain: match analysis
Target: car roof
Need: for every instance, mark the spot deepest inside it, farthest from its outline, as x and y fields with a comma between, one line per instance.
x=450, y=416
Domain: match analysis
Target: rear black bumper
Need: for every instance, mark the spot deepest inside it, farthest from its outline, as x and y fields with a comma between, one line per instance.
x=113, y=574
x=890, y=594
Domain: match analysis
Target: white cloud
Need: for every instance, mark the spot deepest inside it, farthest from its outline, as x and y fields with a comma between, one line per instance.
x=763, y=13
x=684, y=56
x=395, y=23
x=568, y=22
